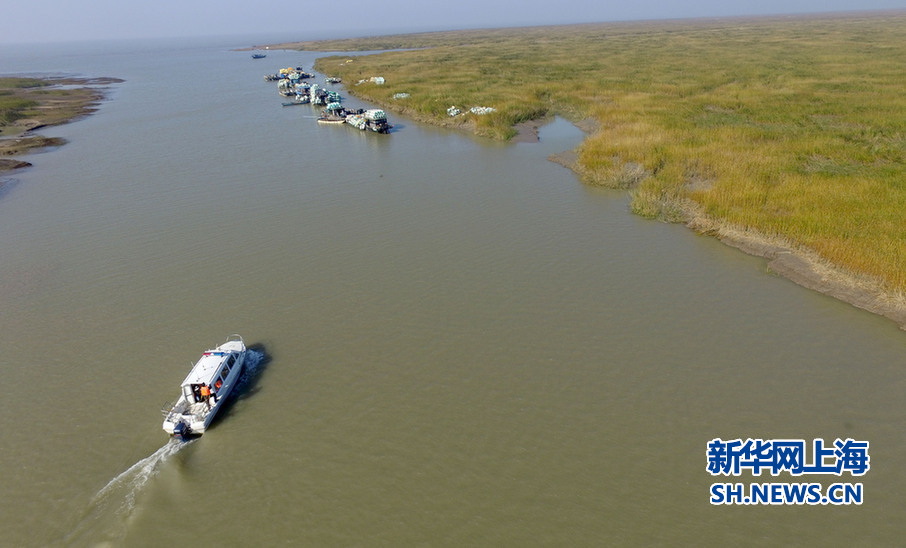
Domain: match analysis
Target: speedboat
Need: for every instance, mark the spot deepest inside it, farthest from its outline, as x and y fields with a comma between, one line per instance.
x=204, y=390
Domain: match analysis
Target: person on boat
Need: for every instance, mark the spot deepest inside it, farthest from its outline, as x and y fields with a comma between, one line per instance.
x=206, y=394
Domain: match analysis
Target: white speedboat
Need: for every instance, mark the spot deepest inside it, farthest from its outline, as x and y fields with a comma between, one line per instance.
x=205, y=389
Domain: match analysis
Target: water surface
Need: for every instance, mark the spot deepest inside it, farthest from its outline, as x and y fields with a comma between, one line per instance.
x=459, y=343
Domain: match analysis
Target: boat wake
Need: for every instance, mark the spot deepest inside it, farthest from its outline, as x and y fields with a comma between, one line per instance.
x=254, y=362
x=107, y=517
x=131, y=482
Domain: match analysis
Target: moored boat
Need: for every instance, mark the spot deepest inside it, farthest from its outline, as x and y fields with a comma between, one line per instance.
x=357, y=121
x=206, y=387
x=331, y=119
x=334, y=113
x=371, y=120
x=376, y=120
x=299, y=100
x=318, y=95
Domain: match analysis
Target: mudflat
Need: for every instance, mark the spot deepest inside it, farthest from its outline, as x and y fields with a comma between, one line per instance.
x=29, y=104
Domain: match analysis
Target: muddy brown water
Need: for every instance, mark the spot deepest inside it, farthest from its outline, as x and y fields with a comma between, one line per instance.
x=456, y=343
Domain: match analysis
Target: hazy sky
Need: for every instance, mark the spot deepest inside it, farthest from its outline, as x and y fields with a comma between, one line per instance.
x=69, y=20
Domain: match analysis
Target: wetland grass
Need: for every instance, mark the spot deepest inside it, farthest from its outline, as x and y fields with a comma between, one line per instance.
x=794, y=127
x=27, y=104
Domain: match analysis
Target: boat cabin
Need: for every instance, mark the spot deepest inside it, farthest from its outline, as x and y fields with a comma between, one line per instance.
x=211, y=371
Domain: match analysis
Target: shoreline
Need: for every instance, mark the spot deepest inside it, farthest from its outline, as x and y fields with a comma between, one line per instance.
x=795, y=263
x=50, y=105
x=799, y=265
x=690, y=125
x=806, y=268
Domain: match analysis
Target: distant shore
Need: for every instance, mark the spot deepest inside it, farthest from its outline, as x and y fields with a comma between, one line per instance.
x=29, y=104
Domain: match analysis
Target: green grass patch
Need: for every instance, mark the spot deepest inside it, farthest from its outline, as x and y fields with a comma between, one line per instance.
x=14, y=108
x=21, y=83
